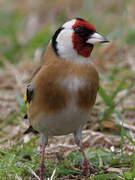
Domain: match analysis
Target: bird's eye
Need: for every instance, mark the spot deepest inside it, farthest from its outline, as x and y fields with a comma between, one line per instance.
x=83, y=31
x=78, y=29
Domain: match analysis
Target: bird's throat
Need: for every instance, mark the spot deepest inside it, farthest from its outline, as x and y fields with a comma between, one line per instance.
x=82, y=48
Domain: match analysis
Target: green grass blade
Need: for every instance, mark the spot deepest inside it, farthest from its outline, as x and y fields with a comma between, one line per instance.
x=105, y=97
x=107, y=177
x=118, y=89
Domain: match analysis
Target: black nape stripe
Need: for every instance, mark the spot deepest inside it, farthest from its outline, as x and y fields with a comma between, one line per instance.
x=80, y=19
x=54, y=42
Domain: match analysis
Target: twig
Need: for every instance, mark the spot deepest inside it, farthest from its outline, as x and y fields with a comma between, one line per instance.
x=53, y=174
x=18, y=178
x=33, y=173
x=131, y=127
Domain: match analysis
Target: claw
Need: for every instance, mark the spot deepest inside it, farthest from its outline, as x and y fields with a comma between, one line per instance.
x=43, y=171
x=87, y=169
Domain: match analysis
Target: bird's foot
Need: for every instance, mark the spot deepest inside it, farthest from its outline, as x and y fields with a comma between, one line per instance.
x=87, y=169
x=42, y=171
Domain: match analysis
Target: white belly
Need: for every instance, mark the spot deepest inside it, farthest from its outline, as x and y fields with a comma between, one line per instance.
x=62, y=123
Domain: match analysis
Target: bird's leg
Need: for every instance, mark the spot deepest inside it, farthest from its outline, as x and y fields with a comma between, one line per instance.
x=86, y=165
x=42, y=165
x=87, y=169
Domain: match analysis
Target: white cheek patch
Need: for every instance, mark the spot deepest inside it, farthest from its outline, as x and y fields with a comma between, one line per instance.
x=65, y=37
x=65, y=45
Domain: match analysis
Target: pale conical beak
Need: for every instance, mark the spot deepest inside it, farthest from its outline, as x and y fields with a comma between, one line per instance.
x=97, y=38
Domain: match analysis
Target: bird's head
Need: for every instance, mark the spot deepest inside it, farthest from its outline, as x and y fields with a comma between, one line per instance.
x=76, y=39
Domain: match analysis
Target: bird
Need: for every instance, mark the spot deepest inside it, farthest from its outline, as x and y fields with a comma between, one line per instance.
x=63, y=91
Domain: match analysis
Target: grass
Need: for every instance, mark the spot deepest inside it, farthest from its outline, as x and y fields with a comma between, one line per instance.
x=111, y=101
x=19, y=159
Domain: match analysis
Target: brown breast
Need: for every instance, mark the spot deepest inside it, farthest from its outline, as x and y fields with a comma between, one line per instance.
x=50, y=97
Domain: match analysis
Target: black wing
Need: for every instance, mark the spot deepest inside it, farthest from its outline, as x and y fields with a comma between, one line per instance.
x=28, y=98
x=30, y=129
x=29, y=93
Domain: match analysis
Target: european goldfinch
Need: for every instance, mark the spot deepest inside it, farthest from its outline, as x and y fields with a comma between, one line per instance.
x=63, y=91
